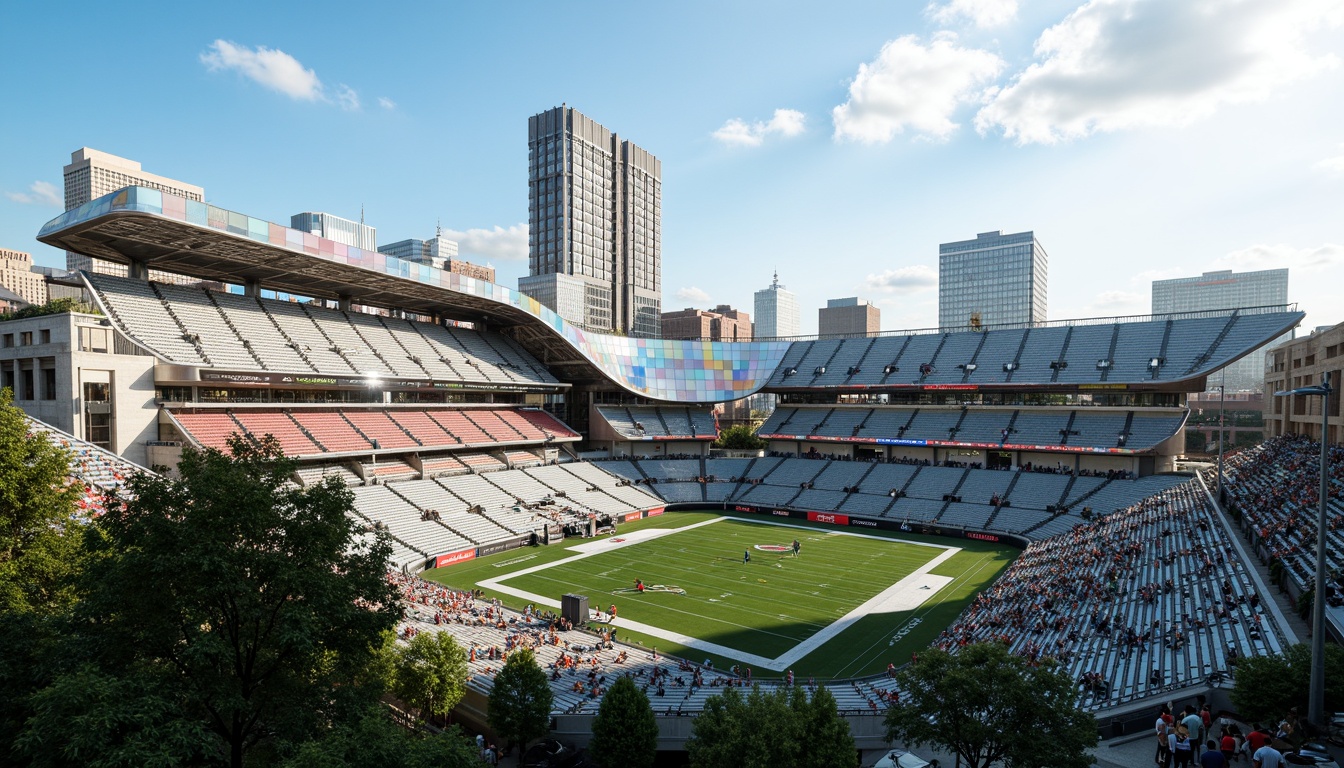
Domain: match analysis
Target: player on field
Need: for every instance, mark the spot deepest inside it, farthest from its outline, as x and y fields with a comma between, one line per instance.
x=797, y=547
x=746, y=556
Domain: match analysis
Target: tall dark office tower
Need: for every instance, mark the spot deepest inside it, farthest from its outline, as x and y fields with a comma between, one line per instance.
x=594, y=215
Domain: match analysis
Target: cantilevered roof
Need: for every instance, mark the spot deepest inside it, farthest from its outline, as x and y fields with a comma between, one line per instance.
x=137, y=225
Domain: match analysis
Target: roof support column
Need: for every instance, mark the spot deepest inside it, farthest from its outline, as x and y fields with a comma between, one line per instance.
x=343, y=303
x=252, y=289
x=136, y=270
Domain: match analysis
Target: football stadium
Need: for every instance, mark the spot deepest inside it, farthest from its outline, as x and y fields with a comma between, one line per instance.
x=932, y=487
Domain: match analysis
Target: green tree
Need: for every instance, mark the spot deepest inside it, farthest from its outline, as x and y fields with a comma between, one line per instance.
x=739, y=437
x=40, y=537
x=520, y=700
x=235, y=605
x=1266, y=687
x=826, y=739
x=625, y=731
x=759, y=730
x=431, y=673
x=984, y=704
x=41, y=543
x=375, y=740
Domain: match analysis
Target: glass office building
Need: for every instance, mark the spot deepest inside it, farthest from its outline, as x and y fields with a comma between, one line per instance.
x=991, y=280
x=776, y=312
x=594, y=214
x=1224, y=290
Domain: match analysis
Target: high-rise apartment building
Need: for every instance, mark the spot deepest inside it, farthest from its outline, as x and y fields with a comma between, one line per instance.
x=355, y=233
x=1226, y=290
x=439, y=252
x=848, y=317
x=723, y=323
x=92, y=174
x=776, y=312
x=594, y=215
x=991, y=280
x=16, y=274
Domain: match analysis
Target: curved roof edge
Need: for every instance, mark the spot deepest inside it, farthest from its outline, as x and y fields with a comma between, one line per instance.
x=659, y=369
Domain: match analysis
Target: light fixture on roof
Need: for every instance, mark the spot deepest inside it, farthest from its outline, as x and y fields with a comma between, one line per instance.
x=1155, y=362
x=820, y=369
x=889, y=369
x=1103, y=364
x=1009, y=367
x=968, y=367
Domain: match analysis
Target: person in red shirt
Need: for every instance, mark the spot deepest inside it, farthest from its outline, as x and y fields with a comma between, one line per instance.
x=1257, y=738
x=1228, y=744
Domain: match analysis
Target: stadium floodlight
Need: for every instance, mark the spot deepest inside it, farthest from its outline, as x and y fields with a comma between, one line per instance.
x=970, y=367
x=1009, y=367
x=1155, y=362
x=890, y=369
x=1103, y=364
x=1316, y=704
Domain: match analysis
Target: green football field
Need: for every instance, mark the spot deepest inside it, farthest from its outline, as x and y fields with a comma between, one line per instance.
x=846, y=606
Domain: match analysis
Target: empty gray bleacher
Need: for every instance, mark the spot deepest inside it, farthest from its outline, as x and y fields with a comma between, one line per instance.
x=726, y=468
x=818, y=500
x=923, y=510
x=981, y=485
x=1038, y=490
x=934, y=482
x=215, y=337
x=261, y=333
x=679, y=492
x=966, y=515
x=601, y=477
x=842, y=474
x=142, y=314
x=1148, y=431
x=1000, y=348
x=1190, y=340
x=1119, y=494
x=1043, y=347
x=1039, y=427
x=1088, y=344
x=983, y=426
x=671, y=469
x=1100, y=429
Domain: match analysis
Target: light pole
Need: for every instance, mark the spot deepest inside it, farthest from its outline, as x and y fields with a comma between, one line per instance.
x=1316, y=704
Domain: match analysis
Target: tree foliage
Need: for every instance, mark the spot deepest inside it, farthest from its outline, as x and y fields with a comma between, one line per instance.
x=764, y=729
x=430, y=673
x=984, y=704
x=375, y=740
x=827, y=741
x=41, y=543
x=625, y=731
x=739, y=437
x=40, y=539
x=53, y=307
x=1267, y=686
x=520, y=700
x=226, y=605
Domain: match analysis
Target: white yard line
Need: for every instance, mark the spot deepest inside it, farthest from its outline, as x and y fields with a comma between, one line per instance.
x=902, y=592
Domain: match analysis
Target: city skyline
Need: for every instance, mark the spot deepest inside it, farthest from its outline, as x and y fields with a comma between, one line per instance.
x=822, y=169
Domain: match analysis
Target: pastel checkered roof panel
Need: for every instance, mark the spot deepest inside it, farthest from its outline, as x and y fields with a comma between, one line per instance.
x=662, y=369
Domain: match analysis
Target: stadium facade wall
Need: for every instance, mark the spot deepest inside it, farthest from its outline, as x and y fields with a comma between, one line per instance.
x=100, y=389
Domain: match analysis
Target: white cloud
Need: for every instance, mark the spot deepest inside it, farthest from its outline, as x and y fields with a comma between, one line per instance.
x=272, y=68
x=1315, y=259
x=347, y=98
x=1332, y=164
x=785, y=122
x=39, y=193
x=693, y=295
x=1117, y=64
x=905, y=280
x=386, y=103
x=981, y=13
x=915, y=85
x=499, y=243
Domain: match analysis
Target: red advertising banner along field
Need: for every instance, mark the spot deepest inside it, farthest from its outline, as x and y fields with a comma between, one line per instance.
x=454, y=557
x=656, y=511
x=631, y=517
x=827, y=517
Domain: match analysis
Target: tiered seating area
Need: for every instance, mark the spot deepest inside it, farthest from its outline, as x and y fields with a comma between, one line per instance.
x=310, y=432
x=408, y=523
x=1146, y=599
x=664, y=422
x=1035, y=427
x=954, y=496
x=100, y=471
x=1275, y=487
x=1194, y=345
x=193, y=326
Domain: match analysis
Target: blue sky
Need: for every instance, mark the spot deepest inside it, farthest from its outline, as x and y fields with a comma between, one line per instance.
x=837, y=143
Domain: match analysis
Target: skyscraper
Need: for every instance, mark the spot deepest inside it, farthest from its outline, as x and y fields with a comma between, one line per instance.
x=993, y=279
x=848, y=317
x=355, y=233
x=594, y=215
x=92, y=174
x=776, y=312
x=1226, y=290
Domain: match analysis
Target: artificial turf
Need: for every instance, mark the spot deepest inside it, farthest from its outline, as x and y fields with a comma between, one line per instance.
x=764, y=607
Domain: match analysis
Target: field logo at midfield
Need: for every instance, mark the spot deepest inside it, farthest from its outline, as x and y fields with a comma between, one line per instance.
x=774, y=547
x=670, y=588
